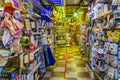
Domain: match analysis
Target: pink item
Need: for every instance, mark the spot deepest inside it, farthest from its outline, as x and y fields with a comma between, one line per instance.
x=16, y=41
x=6, y=18
x=10, y=27
x=7, y=38
x=17, y=24
x=31, y=55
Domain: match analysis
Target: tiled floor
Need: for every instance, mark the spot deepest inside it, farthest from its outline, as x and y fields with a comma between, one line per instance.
x=76, y=67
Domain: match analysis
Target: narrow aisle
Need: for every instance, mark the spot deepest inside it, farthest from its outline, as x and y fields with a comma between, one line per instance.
x=76, y=67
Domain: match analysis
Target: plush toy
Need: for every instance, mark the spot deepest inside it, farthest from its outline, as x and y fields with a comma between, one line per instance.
x=25, y=42
x=113, y=48
x=31, y=52
x=106, y=46
x=113, y=61
x=17, y=24
x=115, y=36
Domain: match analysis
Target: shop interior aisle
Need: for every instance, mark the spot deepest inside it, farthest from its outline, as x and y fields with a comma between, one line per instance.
x=76, y=65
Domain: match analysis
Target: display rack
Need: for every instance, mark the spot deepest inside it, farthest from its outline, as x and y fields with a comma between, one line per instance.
x=104, y=41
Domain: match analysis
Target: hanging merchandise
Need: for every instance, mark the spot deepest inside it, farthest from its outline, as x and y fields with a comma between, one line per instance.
x=51, y=59
x=9, y=7
x=7, y=38
x=23, y=56
x=104, y=38
x=115, y=2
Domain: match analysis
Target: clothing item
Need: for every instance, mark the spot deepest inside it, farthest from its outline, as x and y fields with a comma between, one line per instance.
x=115, y=2
x=7, y=38
x=50, y=57
x=43, y=40
x=43, y=66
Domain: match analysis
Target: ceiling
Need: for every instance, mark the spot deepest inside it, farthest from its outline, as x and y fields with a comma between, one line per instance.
x=71, y=6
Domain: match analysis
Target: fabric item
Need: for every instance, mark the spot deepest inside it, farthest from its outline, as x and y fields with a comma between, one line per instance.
x=15, y=46
x=7, y=38
x=51, y=58
x=43, y=40
x=9, y=7
x=13, y=25
x=1, y=16
x=115, y=2
x=17, y=24
x=6, y=17
x=17, y=16
x=43, y=66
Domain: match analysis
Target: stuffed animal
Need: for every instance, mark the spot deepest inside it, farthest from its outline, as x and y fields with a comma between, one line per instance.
x=113, y=48
x=113, y=61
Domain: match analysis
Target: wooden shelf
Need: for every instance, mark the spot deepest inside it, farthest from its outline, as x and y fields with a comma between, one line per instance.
x=104, y=14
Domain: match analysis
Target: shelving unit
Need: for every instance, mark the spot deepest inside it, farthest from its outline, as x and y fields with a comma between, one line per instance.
x=105, y=42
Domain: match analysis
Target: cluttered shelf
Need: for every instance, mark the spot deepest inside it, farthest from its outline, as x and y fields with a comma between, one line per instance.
x=103, y=14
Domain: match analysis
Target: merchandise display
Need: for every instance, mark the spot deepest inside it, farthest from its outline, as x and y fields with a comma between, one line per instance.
x=104, y=39
x=22, y=53
x=60, y=39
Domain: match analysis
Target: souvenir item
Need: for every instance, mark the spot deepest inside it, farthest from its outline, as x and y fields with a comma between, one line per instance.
x=31, y=55
x=7, y=38
x=27, y=25
x=115, y=36
x=32, y=24
x=17, y=24
x=113, y=61
x=9, y=7
x=106, y=46
x=107, y=57
x=112, y=73
x=101, y=53
x=113, y=48
x=17, y=16
x=115, y=2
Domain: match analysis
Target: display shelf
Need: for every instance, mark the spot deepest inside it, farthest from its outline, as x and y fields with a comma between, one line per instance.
x=35, y=68
x=104, y=14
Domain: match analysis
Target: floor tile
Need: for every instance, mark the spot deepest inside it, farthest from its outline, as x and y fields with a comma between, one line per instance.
x=71, y=69
x=56, y=78
x=58, y=74
x=82, y=69
x=59, y=69
x=71, y=79
x=83, y=74
x=48, y=74
x=71, y=75
x=71, y=65
x=84, y=79
x=80, y=65
x=76, y=65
